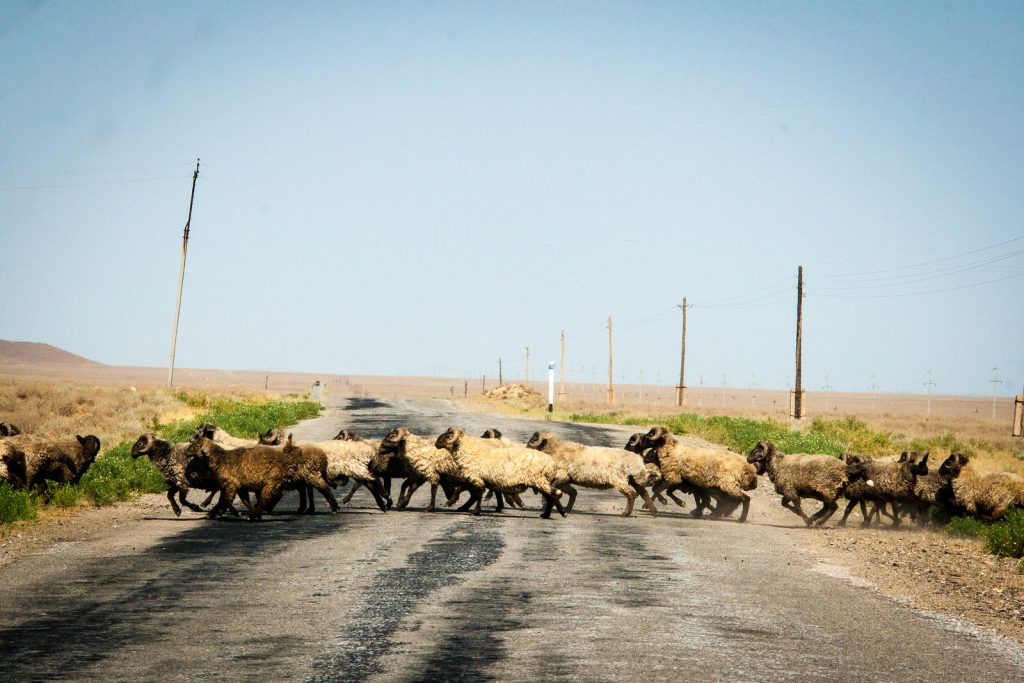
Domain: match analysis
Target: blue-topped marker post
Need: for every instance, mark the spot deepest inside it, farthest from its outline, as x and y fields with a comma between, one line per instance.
x=551, y=386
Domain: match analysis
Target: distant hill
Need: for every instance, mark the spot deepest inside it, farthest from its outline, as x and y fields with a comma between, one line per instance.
x=34, y=353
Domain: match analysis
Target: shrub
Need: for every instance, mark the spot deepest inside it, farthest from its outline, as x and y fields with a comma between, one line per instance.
x=15, y=505
x=62, y=495
x=116, y=477
x=1006, y=537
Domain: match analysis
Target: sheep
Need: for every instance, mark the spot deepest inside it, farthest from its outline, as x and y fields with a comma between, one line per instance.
x=346, y=460
x=7, y=429
x=211, y=431
x=934, y=488
x=797, y=476
x=636, y=445
x=31, y=460
x=598, y=468
x=504, y=468
x=382, y=465
x=882, y=482
x=173, y=462
x=713, y=472
x=514, y=501
x=424, y=462
x=988, y=496
x=264, y=470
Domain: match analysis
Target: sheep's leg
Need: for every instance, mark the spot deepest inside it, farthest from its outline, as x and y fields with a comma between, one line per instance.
x=514, y=500
x=183, y=497
x=325, y=490
x=351, y=492
x=549, y=501
x=657, y=491
x=648, y=502
x=746, y=507
x=227, y=494
x=376, y=489
x=489, y=494
x=244, y=496
x=827, y=510
x=630, y=498
x=469, y=503
x=499, y=502
x=433, y=498
x=385, y=483
x=794, y=505
x=174, y=504
x=569, y=490
x=208, y=500
x=476, y=496
x=847, y=511
x=408, y=488
x=302, y=499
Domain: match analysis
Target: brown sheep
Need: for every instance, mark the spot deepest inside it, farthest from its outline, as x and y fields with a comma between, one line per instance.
x=882, y=482
x=821, y=477
x=32, y=460
x=988, y=496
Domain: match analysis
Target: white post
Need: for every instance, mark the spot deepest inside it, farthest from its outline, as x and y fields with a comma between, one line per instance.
x=551, y=386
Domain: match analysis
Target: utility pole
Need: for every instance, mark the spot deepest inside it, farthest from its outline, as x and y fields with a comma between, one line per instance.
x=753, y=385
x=873, y=388
x=181, y=277
x=700, y=396
x=725, y=383
x=610, y=398
x=561, y=386
x=828, y=389
x=527, y=380
x=798, y=397
x=681, y=388
x=500, y=381
x=929, y=384
x=483, y=383
x=995, y=385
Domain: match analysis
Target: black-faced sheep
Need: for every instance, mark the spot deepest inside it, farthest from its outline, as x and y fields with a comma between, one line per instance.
x=988, y=496
x=821, y=477
x=174, y=461
x=384, y=466
x=31, y=460
x=7, y=429
x=598, y=467
x=506, y=468
x=882, y=482
x=715, y=472
x=424, y=462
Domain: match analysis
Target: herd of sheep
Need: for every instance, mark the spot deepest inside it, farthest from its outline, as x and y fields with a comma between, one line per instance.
x=260, y=472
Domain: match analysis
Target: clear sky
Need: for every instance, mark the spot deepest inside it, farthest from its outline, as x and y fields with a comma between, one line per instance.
x=422, y=188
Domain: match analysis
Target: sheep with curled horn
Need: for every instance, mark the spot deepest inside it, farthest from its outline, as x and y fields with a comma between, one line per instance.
x=173, y=461
x=8, y=429
x=714, y=471
x=502, y=469
x=637, y=444
x=598, y=467
x=424, y=463
x=383, y=465
x=798, y=476
x=987, y=496
x=30, y=461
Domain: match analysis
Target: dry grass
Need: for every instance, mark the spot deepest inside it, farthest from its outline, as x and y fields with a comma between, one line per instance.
x=114, y=414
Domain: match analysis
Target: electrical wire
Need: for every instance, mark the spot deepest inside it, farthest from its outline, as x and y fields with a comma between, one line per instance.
x=94, y=182
x=918, y=265
x=905, y=294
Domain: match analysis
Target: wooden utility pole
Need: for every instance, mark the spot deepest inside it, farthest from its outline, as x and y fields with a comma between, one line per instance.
x=526, y=381
x=681, y=387
x=500, y=381
x=1018, y=415
x=610, y=398
x=798, y=395
x=561, y=386
x=995, y=387
x=181, y=278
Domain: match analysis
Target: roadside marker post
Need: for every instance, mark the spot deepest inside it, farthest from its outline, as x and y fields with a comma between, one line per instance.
x=551, y=386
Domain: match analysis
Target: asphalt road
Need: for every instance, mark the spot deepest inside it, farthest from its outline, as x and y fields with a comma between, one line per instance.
x=415, y=596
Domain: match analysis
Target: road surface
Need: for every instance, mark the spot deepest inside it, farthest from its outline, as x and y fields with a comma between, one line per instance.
x=416, y=596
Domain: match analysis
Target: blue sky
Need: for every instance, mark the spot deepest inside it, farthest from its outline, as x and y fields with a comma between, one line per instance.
x=421, y=188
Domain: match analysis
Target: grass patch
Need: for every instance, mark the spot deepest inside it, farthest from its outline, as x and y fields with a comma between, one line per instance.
x=967, y=526
x=15, y=505
x=117, y=476
x=244, y=419
x=62, y=495
x=1006, y=537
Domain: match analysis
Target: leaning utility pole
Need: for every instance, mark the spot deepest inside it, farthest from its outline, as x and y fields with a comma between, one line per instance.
x=681, y=388
x=798, y=393
x=181, y=278
x=610, y=398
x=561, y=387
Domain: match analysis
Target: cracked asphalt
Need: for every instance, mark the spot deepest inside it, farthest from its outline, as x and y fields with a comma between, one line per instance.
x=416, y=596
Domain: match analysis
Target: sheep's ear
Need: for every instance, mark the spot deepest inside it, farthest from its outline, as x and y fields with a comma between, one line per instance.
x=964, y=459
x=903, y=457
x=924, y=458
x=81, y=439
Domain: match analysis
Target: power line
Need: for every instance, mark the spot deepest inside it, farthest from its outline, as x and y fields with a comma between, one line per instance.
x=94, y=182
x=922, y=263
x=911, y=278
x=930, y=291
x=89, y=170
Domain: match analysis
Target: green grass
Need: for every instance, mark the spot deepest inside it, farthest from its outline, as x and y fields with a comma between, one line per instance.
x=116, y=476
x=15, y=505
x=967, y=526
x=62, y=495
x=1006, y=537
